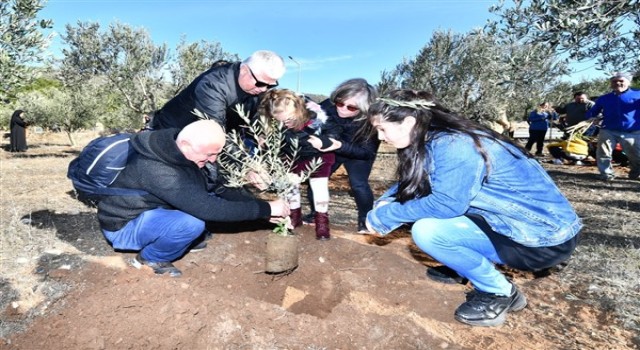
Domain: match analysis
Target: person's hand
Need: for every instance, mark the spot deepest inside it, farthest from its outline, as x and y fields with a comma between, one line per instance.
x=382, y=202
x=335, y=144
x=261, y=141
x=312, y=106
x=259, y=181
x=371, y=231
x=279, y=209
x=315, y=142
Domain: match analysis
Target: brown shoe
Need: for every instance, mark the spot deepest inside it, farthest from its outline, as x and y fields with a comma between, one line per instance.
x=322, y=226
x=296, y=217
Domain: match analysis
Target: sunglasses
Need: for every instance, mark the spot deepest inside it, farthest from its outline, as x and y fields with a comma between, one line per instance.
x=349, y=108
x=261, y=83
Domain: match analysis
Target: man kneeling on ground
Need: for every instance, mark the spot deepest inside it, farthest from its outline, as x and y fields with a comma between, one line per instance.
x=165, y=222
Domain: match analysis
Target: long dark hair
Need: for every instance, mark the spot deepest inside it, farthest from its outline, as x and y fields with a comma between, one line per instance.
x=431, y=118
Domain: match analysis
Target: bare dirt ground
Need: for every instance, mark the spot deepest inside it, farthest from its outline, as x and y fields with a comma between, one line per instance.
x=63, y=287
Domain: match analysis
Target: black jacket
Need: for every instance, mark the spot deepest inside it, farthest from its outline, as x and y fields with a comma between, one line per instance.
x=172, y=182
x=344, y=130
x=313, y=127
x=214, y=92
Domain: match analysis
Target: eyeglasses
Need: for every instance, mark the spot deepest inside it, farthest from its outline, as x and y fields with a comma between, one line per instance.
x=349, y=108
x=261, y=83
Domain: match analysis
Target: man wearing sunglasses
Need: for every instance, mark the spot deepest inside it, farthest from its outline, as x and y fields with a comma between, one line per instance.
x=217, y=91
x=620, y=111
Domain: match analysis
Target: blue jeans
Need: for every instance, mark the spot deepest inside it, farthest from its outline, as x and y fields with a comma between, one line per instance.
x=607, y=140
x=160, y=234
x=461, y=245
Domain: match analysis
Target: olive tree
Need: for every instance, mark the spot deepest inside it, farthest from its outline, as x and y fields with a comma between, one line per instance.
x=128, y=60
x=22, y=43
x=479, y=74
x=144, y=75
x=68, y=109
x=194, y=58
x=605, y=30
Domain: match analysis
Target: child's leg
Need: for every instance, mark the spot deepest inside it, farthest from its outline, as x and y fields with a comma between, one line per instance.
x=320, y=188
x=294, y=199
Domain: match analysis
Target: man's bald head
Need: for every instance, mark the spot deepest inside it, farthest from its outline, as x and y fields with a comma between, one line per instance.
x=201, y=141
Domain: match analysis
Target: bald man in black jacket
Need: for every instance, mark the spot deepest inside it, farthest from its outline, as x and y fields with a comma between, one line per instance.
x=170, y=166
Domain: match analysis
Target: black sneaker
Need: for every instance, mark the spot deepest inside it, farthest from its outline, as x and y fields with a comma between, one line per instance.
x=159, y=268
x=309, y=219
x=446, y=275
x=488, y=310
x=362, y=228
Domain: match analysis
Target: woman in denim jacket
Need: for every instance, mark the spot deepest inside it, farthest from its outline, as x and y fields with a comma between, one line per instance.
x=474, y=199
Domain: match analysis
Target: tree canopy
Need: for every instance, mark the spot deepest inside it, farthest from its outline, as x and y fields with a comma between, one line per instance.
x=126, y=57
x=605, y=30
x=22, y=43
x=478, y=74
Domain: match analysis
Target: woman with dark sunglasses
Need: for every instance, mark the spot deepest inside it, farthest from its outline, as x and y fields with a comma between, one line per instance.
x=346, y=108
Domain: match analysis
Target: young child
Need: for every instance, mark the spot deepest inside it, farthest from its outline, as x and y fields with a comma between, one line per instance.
x=303, y=126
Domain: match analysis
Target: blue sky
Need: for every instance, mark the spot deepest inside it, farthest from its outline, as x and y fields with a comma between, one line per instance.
x=333, y=40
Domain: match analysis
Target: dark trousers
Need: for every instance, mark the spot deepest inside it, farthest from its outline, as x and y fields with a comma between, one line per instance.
x=524, y=258
x=358, y=171
x=537, y=137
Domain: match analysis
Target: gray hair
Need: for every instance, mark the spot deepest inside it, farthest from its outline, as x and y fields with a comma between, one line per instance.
x=267, y=62
x=621, y=75
x=364, y=93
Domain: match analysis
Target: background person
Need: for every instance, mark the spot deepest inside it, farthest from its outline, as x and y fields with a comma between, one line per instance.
x=346, y=108
x=474, y=198
x=217, y=91
x=538, y=121
x=620, y=124
x=166, y=221
x=18, y=127
x=574, y=112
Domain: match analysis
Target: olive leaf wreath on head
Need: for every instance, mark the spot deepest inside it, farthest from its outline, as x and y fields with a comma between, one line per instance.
x=415, y=104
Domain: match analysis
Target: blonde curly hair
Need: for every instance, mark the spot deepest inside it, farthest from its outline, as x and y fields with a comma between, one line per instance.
x=275, y=102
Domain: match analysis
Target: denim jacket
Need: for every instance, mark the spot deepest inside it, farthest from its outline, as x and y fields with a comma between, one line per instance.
x=515, y=196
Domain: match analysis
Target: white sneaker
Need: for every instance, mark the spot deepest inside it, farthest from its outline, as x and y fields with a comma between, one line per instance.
x=557, y=161
x=579, y=163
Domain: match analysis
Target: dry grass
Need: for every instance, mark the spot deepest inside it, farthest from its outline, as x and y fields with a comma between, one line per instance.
x=605, y=269
x=33, y=184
